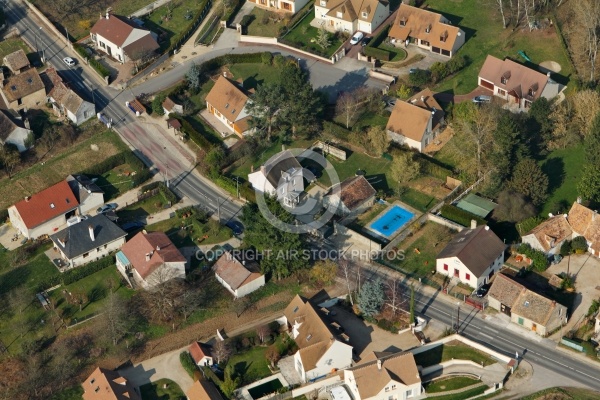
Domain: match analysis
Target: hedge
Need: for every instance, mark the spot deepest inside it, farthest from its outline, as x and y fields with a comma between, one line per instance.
x=229, y=16
x=3, y=215
x=75, y=274
x=188, y=363
x=336, y=131
x=538, y=258
x=459, y=216
x=379, y=54
x=433, y=168
x=196, y=136
x=380, y=37
x=228, y=184
x=97, y=65
x=212, y=376
x=203, y=9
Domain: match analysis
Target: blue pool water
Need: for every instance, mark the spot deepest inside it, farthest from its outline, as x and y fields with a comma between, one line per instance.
x=390, y=222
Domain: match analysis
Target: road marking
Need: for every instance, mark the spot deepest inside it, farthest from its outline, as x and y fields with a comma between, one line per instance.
x=485, y=335
x=489, y=328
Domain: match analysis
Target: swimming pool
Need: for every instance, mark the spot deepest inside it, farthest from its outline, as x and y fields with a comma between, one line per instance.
x=390, y=222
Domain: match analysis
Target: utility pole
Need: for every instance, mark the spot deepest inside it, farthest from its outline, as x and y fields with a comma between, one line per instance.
x=458, y=317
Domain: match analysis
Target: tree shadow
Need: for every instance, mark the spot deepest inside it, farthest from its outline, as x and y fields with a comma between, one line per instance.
x=97, y=293
x=554, y=168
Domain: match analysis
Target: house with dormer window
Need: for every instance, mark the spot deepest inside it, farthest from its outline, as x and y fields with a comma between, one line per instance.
x=351, y=15
x=20, y=85
x=286, y=6
x=281, y=176
x=227, y=101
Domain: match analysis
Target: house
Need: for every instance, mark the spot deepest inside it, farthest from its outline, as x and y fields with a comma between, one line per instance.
x=351, y=15
x=516, y=83
x=201, y=353
x=227, y=102
x=169, y=106
x=13, y=132
x=586, y=223
x=320, y=349
x=88, y=194
x=287, y=6
x=203, y=390
x=352, y=197
x=427, y=29
x=280, y=176
x=65, y=102
x=122, y=39
x=472, y=256
x=149, y=259
x=88, y=240
x=16, y=62
x=104, y=384
x=23, y=90
x=384, y=376
x=239, y=277
x=416, y=122
x=525, y=307
x=44, y=212
x=549, y=235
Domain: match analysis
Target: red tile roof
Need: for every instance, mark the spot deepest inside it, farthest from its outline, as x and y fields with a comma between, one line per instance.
x=115, y=29
x=354, y=191
x=104, y=384
x=200, y=350
x=155, y=244
x=47, y=204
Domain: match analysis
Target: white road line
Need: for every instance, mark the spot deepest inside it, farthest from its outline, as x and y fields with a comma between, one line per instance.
x=485, y=335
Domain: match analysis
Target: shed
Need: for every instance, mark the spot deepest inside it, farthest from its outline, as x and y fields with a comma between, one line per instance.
x=174, y=123
x=476, y=205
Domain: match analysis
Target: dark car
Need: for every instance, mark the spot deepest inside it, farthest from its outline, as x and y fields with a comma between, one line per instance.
x=366, y=41
x=132, y=226
x=482, y=291
x=236, y=227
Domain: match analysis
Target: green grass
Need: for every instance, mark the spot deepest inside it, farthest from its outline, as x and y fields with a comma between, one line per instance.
x=485, y=35
x=142, y=209
x=365, y=218
x=194, y=230
x=251, y=365
x=418, y=264
x=255, y=74
x=72, y=393
x=376, y=169
x=564, y=168
x=443, y=385
x=172, y=27
x=11, y=45
x=367, y=120
x=416, y=199
x=302, y=34
x=257, y=28
x=397, y=53
x=563, y=393
x=114, y=182
x=156, y=391
x=447, y=352
x=464, y=395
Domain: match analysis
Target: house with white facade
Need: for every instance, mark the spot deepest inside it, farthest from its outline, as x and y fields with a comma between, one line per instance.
x=416, y=122
x=351, y=15
x=321, y=349
x=13, y=131
x=65, y=102
x=149, y=259
x=586, y=222
x=549, y=235
x=88, y=194
x=516, y=83
x=122, y=39
x=169, y=106
x=201, y=354
x=239, y=277
x=384, y=376
x=281, y=176
x=351, y=197
x=427, y=30
x=88, y=240
x=227, y=102
x=286, y=6
x=472, y=257
x=44, y=212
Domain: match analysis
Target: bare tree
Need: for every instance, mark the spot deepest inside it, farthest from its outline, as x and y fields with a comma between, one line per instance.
x=162, y=299
x=114, y=319
x=221, y=350
x=393, y=296
x=273, y=355
x=263, y=332
x=10, y=159
x=500, y=4
x=345, y=267
x=585, y=34
x=190, y=300
x=348, y=104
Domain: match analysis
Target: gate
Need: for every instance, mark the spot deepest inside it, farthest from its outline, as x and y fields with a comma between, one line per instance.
x=478, y=304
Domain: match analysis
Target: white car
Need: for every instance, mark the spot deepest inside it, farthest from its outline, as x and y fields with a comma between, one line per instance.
x=356, y=38
x=69, y=61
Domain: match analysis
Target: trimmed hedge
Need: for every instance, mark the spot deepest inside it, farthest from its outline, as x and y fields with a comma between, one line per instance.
x=459, y=216
x=538, y=258
x=196, y=136
x=97, y=65
x=203, y=9
x=380, y=37
x=432, y=167
x=228, y=184
x=212, y=376
x=336, y=131
x=188, y=363
x=3, y=215
x=75, y=274
x=379, y=54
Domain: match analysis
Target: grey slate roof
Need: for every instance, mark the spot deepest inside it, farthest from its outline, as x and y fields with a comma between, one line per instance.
x=476, y=248
x=76, y=240
x=82, y=187
x=284, y=162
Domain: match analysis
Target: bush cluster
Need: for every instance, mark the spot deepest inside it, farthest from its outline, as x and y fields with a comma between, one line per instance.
x=440, y=70
x=459, y=216
x=188, y=363
x=382, y=55
x=539, y=261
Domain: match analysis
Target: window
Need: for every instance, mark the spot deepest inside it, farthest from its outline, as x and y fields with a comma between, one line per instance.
x=387, y=389
x=428, y=29
x=424, y=42
x=365, y=14
x=98, y=249
x=323, y=3
x=409, y=393
x=456, y=272
x=339, y=14
x=105, y=246
x=102, y=45
x=19, y=102
x=92, y=381
x=393, y=387
x=287, y=6
x=296, y=309
x=85, y=255
x=468, y=277
x=97, y=389
x=309, y=337
x=445, y=267
x=501, y=92
x=520, y=321
x=403, y=22
x=504, y=80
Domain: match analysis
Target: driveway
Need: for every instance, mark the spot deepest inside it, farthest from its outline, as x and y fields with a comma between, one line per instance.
x=164, y=366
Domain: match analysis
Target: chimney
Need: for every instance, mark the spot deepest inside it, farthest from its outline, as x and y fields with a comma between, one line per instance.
x=26, y=123
x=244, y=262
x=473, y=224
x=548, y=74
x=157, y=248
x=487, y=228
x=225, y=74
x=379, y=365
x=147, y=257
x=27, y=198
x=423, y=99
x=433, y=111
x=550, y=215
x=91, y=229
x=107, y=15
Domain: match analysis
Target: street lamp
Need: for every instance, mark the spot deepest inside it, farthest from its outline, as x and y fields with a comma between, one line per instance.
x=237, y=186
x=458, y=317
x=35, y=34
x=166, y=169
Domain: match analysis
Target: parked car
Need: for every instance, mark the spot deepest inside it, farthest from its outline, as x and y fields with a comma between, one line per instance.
x=366, y=41
x=413, y=70
x=357, y=38
x=106, y=207
x=482, y=291
x=69, y=61
x=556, y=258
x=132, y=226
x=482, y=99
x=236, y=227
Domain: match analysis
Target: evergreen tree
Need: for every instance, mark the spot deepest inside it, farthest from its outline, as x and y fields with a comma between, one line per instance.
x=371, y=298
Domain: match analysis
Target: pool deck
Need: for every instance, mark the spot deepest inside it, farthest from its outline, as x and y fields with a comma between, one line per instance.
x=245, y=394
x=416, y=214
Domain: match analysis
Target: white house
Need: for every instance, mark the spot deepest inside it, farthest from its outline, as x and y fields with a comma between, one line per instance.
x=320, y=350
x=65, y=102
x=122, y=39
x=13, y=132
x=239, y=277
x=149, y=259
x=280, y=176
x=473, y=256
x=288, y=6
x=88, y=240
x=549, y=235
x=201, y=353
x=416, y=122
x=351, y=197
x=227, y=102
x=351, y=15
x=377, y=377
x=88, y=194
x=516, y=83
x=45, y=212
x=169, y=106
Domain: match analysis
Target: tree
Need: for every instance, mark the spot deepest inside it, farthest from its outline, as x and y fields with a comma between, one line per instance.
x=191, y=299
x=404, y=168
x=192, y=77
x=421, y=77
x=592, y=143
x=114, y=319
x=393, y=296
x=301, y=105
x=513, y=207
x=589, y=184
x=529, y=180
x=161, y=302
x=371, y=298
x=404, y=91
x=345, y=266
x=500, y=5
x=231, y=381
x=322, y=40
x=377, y=140
x=221, y=350
x=348, y=104
x=273, y=355
x=10, y=158
x=156, y=106
x=263, y=331
x=264, y=106
x=586, y=34
x=323, y=273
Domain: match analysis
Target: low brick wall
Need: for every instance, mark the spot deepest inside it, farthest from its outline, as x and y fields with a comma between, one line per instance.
x=330, y=149
x=274, y=41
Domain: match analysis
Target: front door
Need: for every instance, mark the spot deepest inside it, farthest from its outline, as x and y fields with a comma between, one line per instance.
x=456, y=272
x=108, y=50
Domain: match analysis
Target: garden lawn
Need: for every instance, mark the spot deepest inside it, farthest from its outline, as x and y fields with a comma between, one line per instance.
x=114, y=182
x=564, y=168
x=452, y=350
x=255, y=74
x=375, y=169
x=364, y=219
x=251, y=364
x=416, y=199
x=397, y=53
x=258, y=28
x=38, y=270
x=367, y=120
x=142, y=209
x=417, y=265
x=156, y=391
x=464, y=395
x=302, y=34
x=172, y=27
x=443, y=385
x=194, y=230
x=485, y=35
x=11, y=45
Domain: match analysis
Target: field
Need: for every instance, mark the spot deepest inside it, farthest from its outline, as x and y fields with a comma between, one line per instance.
x=74, y=159
x=449, y=351
x=485, y=35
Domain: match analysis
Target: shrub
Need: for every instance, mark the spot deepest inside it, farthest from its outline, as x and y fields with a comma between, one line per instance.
x=212, y=376
x=594, y=307
x=336, y=131
x=279, y=61
x=380, y=37
x=246, y=20
x=382, y=55
x=195, y=135
x=125, y=157
x=430, y=167
x=99, y=67
x=565, y=248
x=156, y=107
x=459, y=216
x=579, y=245
x=266, y=58
x=188, y=363
x=420, y=77
x=539, y=261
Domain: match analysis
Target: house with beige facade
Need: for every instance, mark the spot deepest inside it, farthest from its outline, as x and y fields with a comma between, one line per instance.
x=427, y=30
x=586, y=222
x=16, y=62
x=65, y=102
x=238, y=276
x=227, y=102
x=22, y=90
x=351, y=15
x=287, y=6
x=416, y=122
x=549, y=235
x=321, y=347
x=351, y=197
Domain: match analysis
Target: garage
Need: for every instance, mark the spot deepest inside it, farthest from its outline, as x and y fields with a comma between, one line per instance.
x=436, y=50
x=486, y=84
